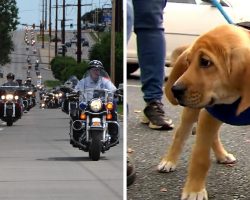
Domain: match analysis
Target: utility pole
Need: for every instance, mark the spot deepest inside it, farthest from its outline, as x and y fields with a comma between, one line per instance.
x=56, y=28
x=112, y=61
x=63, y=30
x=42, y=26
x=49, y=20
x=46, y=8
x=79, y=32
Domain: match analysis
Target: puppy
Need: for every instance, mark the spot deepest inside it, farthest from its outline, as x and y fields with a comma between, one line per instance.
x=212, y=73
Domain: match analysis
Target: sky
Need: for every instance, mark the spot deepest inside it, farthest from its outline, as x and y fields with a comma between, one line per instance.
x=30, y=11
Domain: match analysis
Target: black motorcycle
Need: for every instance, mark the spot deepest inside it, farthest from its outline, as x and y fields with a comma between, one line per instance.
x=94, y=123
x=50, y=99
x=11, y=103
x=29, y=99
x=70, y=102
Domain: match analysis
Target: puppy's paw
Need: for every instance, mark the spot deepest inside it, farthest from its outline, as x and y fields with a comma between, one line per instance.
x=228, y=159
x=202, y=195
x=166, y=166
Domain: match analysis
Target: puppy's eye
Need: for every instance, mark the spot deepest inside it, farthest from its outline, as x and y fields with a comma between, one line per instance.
x=205, y=62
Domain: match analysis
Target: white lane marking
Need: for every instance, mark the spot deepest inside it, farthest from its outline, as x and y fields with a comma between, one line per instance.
x=1, y=129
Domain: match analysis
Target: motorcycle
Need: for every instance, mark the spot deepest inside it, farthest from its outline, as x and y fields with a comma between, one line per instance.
x=90, y=127
x=70, y=102
x=50, y=100
x=11, y=104
x=29, y=99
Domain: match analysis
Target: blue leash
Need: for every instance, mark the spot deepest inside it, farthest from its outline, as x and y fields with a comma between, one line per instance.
x=220, y=8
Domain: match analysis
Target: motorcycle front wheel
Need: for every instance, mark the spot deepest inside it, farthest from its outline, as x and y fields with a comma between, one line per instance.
x=9, y=123
x=95, y=145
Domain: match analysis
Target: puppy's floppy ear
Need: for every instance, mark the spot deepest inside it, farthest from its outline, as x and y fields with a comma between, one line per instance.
x=240, y=71
x=180, y=65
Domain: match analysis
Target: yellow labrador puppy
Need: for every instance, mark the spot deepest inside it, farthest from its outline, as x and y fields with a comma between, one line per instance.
x=213, y=73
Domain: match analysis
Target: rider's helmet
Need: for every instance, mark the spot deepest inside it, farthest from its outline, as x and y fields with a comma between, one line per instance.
x=10, y=76
x=68, y=84
x=28, y=80
x=74, y=80
x=96, y=70
x=95, y=64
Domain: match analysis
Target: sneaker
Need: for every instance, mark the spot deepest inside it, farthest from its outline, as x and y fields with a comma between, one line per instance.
x=154, y=116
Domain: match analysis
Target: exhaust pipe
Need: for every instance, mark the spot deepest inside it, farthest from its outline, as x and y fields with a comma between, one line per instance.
x=77, y=125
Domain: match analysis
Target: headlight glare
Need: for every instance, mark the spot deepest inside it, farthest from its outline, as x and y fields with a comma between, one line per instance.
x=9, y=96
x=96, y=105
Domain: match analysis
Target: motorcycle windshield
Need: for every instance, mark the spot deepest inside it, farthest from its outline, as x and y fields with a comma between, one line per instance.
x=103, y=94
x=17, y=90
x=96, y=73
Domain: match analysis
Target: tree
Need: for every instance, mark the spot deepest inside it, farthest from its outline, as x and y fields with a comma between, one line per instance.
x=101, y=51
x=8, y=23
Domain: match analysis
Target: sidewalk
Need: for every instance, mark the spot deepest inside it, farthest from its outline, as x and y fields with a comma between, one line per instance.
x=45, y=57
x=46, y=54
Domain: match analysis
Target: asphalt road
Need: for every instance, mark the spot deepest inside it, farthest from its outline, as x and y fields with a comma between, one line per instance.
x=38, y=163
x=71, y=51
x=231, y=182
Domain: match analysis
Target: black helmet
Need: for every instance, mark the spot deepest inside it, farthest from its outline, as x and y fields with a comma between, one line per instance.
x=95, y=64
x=10, y=76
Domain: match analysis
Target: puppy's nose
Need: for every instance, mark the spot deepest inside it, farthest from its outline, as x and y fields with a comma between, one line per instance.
x=178, y=90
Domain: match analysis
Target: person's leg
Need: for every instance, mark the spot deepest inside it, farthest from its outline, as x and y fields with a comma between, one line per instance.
x=130, y=18
x=151, y=50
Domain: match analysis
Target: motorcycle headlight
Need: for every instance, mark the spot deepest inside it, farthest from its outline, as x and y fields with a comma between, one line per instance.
x=3, y=97
x=9, y=96
x=30, y=93
x=96, y=105
x=57, y=95
x=16, y=97
x=60, y=94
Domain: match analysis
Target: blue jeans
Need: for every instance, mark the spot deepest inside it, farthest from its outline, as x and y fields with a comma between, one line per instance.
x=151, y=47
x=130, y=18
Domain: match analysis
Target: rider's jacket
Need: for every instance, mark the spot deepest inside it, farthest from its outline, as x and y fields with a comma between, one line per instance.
x=89, y=83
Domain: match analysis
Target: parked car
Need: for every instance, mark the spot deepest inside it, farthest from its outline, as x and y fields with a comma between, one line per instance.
x=60, y=49
x=68, y=44
x=185, y=20
x=85, y=43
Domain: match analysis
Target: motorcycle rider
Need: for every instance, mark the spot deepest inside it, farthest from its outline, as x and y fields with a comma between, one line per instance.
x=28, y=83
x=74, y=80
x=37, y=64
x=10, y=80
x=28, y=59
x=70, y=84
x=19, y=81
x=95, y=80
